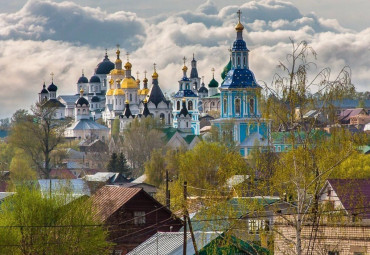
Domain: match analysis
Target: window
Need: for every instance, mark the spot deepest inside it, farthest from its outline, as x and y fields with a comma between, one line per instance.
x=178, y=105
x=238, y=61
x=237, y=106
x=187, y=124
x=244, y=61
x=278, y=148
x=130, y=97
x=333, y=252
x=255, y=226
x=213, y=103
x=190, y=105
x=169, y=119
x=329, y=192
x=139, y=218
x=225, y=106
x=161, y=116
x=251, y=106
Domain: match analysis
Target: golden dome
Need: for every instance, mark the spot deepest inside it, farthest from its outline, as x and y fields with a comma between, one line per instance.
x=127, y=102
x=81, y=90
x=185, y=68
x=144, y=92
x=137, y=81
x=155, y=75
x=117, y=72
x=145, y=101
x=111, y=81
x=145, y=80
x=129, y=83
x=109, y=92
x=128, y=66
x=118, y=92
x=118, y=60
x=239, y=27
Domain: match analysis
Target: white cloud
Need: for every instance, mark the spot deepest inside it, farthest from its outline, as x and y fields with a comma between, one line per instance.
x=65, y=37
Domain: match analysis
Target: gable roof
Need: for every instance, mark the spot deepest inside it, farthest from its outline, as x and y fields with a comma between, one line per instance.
x=108, y=199
x=354, y=194
x=348, y=113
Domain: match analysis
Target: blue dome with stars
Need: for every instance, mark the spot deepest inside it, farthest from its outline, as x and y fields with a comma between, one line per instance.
x=239, y=45
x=240, y=78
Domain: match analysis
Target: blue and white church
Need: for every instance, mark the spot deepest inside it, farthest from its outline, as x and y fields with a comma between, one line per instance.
x=240, y=103
x=186, y=95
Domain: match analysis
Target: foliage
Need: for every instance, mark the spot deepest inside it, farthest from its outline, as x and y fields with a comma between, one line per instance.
x=115, y=127
x=36, y=224
x=155, y=168
x=21, y=169
x=300, y=172
x=38, y=135
x=7, y=152
x=357, y=166
x=207, y=166
x=140, y=139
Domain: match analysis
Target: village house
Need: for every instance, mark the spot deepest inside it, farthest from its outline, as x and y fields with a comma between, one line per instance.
x=344, y=227
x=132, y=216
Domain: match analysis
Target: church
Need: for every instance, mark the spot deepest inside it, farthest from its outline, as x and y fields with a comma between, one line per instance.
x=240, y=103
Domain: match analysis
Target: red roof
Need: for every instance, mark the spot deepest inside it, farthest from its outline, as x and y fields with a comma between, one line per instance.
x=62, y=174
x=108, y=199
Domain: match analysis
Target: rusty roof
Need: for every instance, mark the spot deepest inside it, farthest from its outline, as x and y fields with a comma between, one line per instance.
x=108, y=199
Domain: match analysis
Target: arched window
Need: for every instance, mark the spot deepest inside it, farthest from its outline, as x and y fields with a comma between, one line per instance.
x=78, y=111
x=225, y=106
x=161, y=117
x=178, y=105
x=187, y=124
x=130, y=97
x=190, y=105
x=169, y=119
x=213, y=103
x=238, y=61
x=251, y=106
x=83, y=111
x=237, y=106
x=245, y=60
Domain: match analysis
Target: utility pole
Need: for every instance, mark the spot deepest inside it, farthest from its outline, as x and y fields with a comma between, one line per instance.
x=185, y=234
x=168, y=194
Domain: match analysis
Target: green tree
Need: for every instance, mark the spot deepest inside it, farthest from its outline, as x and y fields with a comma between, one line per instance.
x=32, y=223
x=112, y=164
x=155, y=168
x=38, y=135
x=122, y=166
x=301, y=172
x=21, y=169
x=115, y=128
x=140, y=139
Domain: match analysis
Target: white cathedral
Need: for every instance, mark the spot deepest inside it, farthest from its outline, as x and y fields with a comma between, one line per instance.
x=113, y=93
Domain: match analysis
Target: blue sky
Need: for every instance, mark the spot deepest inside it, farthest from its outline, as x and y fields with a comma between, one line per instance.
x=38, y=37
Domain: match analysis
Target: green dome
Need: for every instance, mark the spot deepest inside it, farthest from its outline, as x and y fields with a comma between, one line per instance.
x=226, y=70
x=213, y=83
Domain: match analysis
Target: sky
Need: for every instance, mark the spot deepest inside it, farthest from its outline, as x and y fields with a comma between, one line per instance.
x=38, y=37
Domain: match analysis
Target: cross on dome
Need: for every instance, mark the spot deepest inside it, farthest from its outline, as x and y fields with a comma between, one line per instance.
x=184, y=60
x=137, y=74
x=154, y=67
x=239, y=13
x=145, y=73
x=128, y=56
x=52, y=76
x=213, y=72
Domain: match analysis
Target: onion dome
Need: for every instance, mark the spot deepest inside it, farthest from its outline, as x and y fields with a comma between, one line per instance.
x=227, y=68
x=94, y=79
x=239, y=27
x=154, y=75
x=129, y=83
x=213, y=83
x=44, y=91
x=203, y=89
x=82, y=79
x=52, y=87
x=185, y=68
x=95, y=99
x=118, y=92
x=128, y=66
x=105, y=66
x=127, y=112
x=110, y=90
x=184, y=111
x=82, y=101
x=118, y=60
